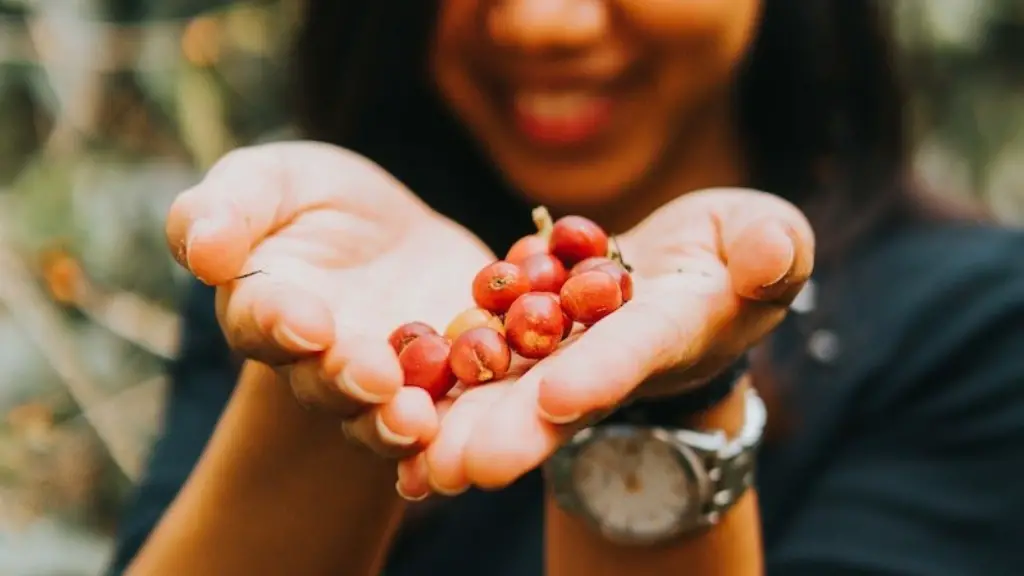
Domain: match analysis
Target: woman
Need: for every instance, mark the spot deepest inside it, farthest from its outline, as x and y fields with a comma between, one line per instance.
x=898, y=426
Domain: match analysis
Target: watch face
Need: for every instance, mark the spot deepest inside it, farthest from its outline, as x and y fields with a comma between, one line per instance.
x=633, y=485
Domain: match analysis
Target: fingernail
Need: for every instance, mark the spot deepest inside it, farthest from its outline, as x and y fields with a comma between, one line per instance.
x=443, y=490
x=349, y=386
x=558, y=420
x=289, y=339
x=201, y=228
x=780, y=233
x=407, y=497
x=389, y=436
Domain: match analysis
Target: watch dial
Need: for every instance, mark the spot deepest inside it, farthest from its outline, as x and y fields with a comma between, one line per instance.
x=633, y=485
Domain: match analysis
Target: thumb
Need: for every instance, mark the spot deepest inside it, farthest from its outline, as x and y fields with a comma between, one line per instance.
x=766, y=243
x=770, y=259
x=212, y=227
x=253, y=192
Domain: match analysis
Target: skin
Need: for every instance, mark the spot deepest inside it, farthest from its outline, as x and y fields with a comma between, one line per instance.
x=339, y=238
x=666, y=64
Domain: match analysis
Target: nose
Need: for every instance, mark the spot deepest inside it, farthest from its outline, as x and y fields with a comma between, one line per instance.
x=546, y=25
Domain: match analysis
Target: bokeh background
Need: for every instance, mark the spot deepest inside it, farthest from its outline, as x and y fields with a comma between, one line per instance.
x=108, y=108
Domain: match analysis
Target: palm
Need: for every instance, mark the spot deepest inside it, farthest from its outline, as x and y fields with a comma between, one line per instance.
x=375, y=274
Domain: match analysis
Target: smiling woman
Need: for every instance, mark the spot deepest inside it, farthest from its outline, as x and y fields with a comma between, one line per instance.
x=643, y=117
x=577, y=102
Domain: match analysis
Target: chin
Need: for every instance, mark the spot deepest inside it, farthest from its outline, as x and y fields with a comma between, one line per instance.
x=578, y=189
x=572, y=195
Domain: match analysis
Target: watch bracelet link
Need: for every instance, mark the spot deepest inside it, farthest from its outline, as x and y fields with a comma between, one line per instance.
x=731, y=468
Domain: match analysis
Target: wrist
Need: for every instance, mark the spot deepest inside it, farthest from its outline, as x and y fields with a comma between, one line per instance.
x=683, y=409
x=296, y=432
x=271, y=463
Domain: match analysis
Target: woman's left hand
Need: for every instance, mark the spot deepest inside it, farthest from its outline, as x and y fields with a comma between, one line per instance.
x=714, y=272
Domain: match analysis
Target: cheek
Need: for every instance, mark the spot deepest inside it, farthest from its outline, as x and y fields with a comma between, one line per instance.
x=454, y=17
x=690, y=18
x=455, y=29
x=700, y=42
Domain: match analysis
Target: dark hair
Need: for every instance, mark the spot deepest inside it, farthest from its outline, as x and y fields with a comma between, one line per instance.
x=820, y=112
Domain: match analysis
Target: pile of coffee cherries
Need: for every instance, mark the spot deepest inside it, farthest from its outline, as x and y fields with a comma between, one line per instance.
x=568, y=273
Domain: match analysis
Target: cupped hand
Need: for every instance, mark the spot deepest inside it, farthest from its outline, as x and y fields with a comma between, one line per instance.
x=715, y=271
x=317, y=254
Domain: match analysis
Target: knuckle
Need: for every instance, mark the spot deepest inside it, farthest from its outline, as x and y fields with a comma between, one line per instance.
x=362, y=431
x=305, y=385
x=315, y=391
x=237, y=158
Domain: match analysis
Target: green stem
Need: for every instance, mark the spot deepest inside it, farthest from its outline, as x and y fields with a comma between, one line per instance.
x=542, y=219
x=615, y=253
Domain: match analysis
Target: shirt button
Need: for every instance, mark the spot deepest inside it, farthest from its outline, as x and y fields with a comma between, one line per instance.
x=823, y=346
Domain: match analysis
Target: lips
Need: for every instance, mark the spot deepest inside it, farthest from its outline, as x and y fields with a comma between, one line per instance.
x=562, y=117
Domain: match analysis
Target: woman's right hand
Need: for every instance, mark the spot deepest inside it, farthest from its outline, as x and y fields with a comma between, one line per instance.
x=317, y=254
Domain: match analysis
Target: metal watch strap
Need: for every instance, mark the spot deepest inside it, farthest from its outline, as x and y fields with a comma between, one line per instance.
x=730, y=463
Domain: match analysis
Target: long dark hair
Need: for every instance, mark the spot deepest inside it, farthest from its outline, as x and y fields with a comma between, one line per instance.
x=820, y=112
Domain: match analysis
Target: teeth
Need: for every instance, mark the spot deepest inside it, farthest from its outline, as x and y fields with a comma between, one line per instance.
x=556, y=105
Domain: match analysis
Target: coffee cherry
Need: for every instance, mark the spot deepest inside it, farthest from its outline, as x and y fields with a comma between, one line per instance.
x=590, y=296
x=534, y=324
x=406, y=333
x=425, y=365
x=575, y=238
x=591, y=263
x=472, y=318
x=624, y=278
x=525, y=247
x=611, y=267
x=568, y=323
x=480, y=355
x=545, y=273
x=498, y=285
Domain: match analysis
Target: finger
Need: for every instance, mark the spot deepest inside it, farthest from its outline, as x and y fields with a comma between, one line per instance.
x=399, y=428
x=274, y=321
x=673, y=321
x=253, y=192
x=766, y=243
x=412, y=482
x=413, y=474
x=444, y=456
x=507, y=438
x=770, y=259
x=348, y=378
x=212, y=227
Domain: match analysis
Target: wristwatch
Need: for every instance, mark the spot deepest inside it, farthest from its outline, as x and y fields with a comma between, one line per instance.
x=646, y=484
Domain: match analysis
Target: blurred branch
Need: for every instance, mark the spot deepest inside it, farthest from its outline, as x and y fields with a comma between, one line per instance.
x=125, y=314
x=136, y=320
x=41, y=321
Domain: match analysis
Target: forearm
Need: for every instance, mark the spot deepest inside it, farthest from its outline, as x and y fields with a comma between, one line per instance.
x=731, y=548
x=278, y=491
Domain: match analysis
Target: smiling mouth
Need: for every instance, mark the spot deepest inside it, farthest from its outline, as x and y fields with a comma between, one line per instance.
x=562, y=118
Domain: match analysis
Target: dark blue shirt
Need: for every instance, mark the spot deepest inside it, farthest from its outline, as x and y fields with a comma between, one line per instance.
x=906, y=396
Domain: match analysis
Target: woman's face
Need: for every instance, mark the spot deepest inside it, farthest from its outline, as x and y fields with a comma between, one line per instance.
x=577, y=100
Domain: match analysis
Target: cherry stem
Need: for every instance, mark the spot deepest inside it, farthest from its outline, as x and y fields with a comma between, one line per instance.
x=542, y=219
x=615, y=253
x=248, y=275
